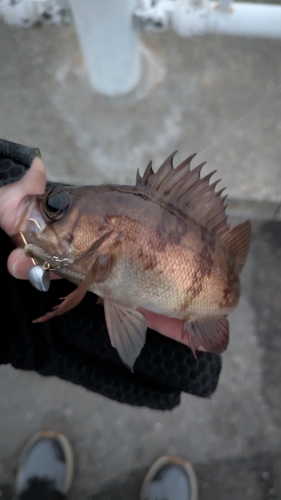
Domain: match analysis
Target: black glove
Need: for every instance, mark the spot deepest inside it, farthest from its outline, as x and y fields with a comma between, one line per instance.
x=76, y=346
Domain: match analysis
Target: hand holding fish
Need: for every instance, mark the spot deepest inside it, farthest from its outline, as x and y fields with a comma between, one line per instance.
x=149, y=188
x=11, y=197
x=163, y=247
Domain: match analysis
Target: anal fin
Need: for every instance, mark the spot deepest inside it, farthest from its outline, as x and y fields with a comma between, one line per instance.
x=126, y=329
x=210, y=333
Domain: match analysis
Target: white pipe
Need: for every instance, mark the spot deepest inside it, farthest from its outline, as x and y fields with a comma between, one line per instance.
x=109, y=43
x=243, y=19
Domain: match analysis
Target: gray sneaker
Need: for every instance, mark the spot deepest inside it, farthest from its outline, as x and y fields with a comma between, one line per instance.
x=170, y=478
x=46, y=467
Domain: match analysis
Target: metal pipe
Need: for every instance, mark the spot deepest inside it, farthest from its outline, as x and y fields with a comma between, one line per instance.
x=109, y=39
x=109, y=43
x=242, y=19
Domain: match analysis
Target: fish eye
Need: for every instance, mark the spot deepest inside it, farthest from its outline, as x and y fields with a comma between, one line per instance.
x=56, y=204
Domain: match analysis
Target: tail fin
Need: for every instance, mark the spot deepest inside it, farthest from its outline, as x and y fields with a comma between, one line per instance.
x=238, y=240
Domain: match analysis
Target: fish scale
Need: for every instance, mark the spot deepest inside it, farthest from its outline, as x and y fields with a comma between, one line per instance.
x=163, y=285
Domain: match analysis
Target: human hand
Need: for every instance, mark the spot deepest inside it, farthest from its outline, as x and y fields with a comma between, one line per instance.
x=17, y=181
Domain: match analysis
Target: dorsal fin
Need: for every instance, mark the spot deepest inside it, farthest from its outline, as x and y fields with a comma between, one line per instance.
x=186, y=190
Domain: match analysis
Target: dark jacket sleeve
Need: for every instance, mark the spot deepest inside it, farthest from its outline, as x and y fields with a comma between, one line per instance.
x=15, y=159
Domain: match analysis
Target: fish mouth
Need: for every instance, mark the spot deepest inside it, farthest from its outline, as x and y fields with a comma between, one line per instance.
x=30, y=223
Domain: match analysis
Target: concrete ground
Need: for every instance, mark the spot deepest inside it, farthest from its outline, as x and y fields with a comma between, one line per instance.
x=220, y=97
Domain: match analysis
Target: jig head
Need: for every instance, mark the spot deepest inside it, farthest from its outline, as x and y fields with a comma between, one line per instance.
x=39, y=277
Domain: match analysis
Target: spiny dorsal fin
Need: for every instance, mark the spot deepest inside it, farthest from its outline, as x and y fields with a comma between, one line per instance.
x=186, y=190
x=238, y=240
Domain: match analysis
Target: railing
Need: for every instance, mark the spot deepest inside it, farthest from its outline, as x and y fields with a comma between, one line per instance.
x=108, y=30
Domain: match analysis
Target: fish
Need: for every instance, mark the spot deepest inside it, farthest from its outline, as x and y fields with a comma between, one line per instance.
x=164, y=245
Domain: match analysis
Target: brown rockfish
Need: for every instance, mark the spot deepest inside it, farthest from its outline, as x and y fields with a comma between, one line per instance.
x=163, y=245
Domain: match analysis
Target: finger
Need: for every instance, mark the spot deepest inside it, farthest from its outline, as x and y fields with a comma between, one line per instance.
x=19, y=265
x=34, y=181
x=170, y=327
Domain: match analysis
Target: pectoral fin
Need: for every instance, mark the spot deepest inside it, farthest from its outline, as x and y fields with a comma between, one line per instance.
x=210, y=333
x=126, y=329
x=97, y=273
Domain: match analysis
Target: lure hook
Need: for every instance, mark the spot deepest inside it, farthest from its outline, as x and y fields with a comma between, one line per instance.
x=38, y=276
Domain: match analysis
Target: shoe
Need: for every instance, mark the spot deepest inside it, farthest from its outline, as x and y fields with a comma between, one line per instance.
x=170, y=478
x=45, y=468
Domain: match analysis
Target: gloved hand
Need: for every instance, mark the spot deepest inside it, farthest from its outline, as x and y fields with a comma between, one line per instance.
x=76, y=346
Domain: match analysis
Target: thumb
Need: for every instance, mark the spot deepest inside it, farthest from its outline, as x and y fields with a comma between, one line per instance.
x=33, y=182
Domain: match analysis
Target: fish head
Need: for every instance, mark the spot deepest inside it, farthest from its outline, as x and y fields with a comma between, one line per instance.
x=59, y=223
